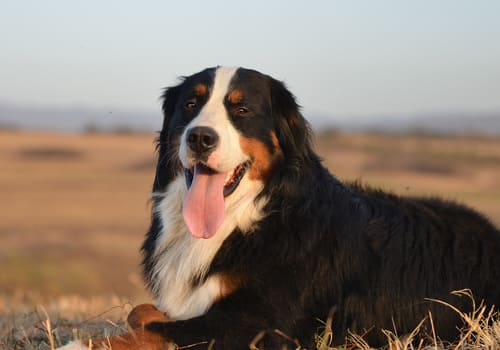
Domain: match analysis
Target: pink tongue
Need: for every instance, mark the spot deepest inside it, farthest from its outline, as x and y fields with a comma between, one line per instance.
x=204, y=204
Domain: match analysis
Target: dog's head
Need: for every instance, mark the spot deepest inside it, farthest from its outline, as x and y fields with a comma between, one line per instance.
x=229, y=132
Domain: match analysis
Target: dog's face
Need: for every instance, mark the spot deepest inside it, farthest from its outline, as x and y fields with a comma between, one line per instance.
x=226, y=130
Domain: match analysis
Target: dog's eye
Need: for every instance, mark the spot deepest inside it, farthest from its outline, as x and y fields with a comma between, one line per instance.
x=242, y=111
x=190, y=105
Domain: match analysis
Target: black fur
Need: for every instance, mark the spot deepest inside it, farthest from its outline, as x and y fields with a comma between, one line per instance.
x=372, y=257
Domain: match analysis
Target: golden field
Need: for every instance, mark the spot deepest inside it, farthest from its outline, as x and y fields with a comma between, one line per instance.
x=74, y=209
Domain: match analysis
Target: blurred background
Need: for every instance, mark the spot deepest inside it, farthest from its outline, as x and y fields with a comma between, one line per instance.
x=402, y=95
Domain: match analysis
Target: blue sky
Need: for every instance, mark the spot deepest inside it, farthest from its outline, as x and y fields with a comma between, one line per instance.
x=340, y=58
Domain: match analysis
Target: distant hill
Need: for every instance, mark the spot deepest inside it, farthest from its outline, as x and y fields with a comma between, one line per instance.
x=481, y=123
x=485, y=124
x=81, y=119
x=78, y=119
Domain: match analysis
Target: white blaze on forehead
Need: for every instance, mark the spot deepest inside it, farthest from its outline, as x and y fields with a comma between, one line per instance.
x=223, y=76
x=214, y=114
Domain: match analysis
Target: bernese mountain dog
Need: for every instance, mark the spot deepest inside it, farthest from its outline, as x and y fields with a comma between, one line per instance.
x=254, y=243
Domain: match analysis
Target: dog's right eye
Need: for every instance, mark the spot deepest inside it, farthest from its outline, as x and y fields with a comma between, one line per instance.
x=190, y=105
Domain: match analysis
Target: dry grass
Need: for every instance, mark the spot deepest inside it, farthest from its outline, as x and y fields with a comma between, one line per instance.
x=66, y=318
x=481, y=331
x=31, y=326
x=74, y=210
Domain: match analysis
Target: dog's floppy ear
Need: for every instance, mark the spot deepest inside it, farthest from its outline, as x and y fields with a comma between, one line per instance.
x=170, y=97
x=164, y=170
x=292, y=129
x=293, y=134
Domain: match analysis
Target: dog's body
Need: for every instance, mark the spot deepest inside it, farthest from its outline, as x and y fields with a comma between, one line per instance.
x=250, y=232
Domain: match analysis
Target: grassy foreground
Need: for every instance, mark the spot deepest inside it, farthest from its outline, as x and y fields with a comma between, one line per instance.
x=47, y=326
x=70, y=318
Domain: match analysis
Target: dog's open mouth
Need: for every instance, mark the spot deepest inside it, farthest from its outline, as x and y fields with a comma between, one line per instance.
x=204, y=206
x=231, y=181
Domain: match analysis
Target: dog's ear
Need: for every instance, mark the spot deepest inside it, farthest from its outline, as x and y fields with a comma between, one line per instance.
x=169, y=101
x=294, y=137
x=292, y=129
x=164, y=169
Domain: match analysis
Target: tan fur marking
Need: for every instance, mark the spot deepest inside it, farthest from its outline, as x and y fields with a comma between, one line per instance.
x=262, y=159
x=235, y=96
x=229, y=284
x=136, y=339
x=274, y=140
x=145, y=313
x=200, y=89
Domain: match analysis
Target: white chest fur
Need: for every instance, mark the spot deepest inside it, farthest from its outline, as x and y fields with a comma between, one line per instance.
x=180, y=257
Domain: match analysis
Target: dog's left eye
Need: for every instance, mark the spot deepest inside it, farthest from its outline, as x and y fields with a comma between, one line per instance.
x=190, y=105
x=242, y=111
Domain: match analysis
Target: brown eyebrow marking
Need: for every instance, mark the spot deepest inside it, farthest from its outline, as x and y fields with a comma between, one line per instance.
x=235, y=96
x=200, y=89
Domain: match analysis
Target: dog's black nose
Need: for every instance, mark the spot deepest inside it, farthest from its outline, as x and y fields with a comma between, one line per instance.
x=202, y=139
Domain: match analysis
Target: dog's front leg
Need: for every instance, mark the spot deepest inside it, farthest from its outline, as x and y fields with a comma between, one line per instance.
x=232, y=323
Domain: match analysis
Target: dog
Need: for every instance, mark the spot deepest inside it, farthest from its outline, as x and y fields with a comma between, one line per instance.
x=253, y=241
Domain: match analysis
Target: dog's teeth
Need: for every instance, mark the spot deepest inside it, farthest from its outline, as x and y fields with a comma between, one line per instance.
x=229, y=177
x=233, y=175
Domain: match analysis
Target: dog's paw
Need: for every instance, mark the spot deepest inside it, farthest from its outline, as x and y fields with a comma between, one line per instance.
x=74, y=345
x=144, y=314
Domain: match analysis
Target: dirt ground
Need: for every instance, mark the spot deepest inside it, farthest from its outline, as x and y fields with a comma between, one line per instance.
x=74, y=207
